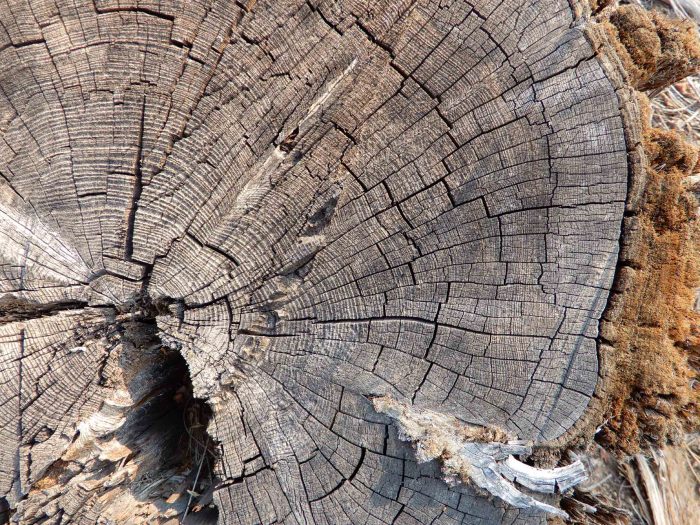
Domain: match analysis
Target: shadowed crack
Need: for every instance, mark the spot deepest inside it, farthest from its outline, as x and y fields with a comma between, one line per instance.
x=19, y=309
x=146, y=449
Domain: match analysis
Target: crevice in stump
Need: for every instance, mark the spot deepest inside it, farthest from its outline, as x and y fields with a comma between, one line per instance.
x=146, y=452
x=5, y=511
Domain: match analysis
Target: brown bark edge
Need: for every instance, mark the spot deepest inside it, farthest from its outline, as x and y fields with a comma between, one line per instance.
x=649, y=344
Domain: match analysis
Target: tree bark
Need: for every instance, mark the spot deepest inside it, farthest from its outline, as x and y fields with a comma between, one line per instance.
x=246, y=246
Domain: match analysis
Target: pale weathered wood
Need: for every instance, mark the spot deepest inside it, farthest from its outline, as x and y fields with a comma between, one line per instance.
x=315, y=203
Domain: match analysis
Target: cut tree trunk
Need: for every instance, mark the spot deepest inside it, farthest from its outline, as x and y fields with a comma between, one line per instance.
x=300, y=261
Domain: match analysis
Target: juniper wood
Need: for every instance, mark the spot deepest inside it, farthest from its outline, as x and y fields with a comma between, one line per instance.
x=314, y=203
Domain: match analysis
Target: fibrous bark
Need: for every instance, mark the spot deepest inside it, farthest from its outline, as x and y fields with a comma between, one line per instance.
x=228, y=227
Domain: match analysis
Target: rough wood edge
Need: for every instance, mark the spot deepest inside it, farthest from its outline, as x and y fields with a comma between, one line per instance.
x=583, y=430
x=639, y=142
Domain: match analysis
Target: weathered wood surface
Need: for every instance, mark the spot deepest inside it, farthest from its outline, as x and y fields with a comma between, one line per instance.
x=316, y=203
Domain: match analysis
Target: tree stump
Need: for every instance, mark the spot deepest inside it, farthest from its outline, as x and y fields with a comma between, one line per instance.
x=262, y=260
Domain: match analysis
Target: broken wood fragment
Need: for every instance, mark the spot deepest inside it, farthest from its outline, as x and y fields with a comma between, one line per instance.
x=483, y=456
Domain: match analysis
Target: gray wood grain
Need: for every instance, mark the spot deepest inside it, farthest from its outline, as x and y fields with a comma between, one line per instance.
x=333, y=200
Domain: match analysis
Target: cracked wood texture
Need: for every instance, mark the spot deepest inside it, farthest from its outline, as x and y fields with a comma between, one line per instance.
x=314, y=203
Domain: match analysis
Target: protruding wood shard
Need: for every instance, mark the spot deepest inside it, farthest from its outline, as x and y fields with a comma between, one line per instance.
x=258, y=216
x=480, y=455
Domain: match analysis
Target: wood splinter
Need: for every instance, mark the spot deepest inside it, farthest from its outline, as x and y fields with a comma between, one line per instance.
x=469, y=454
